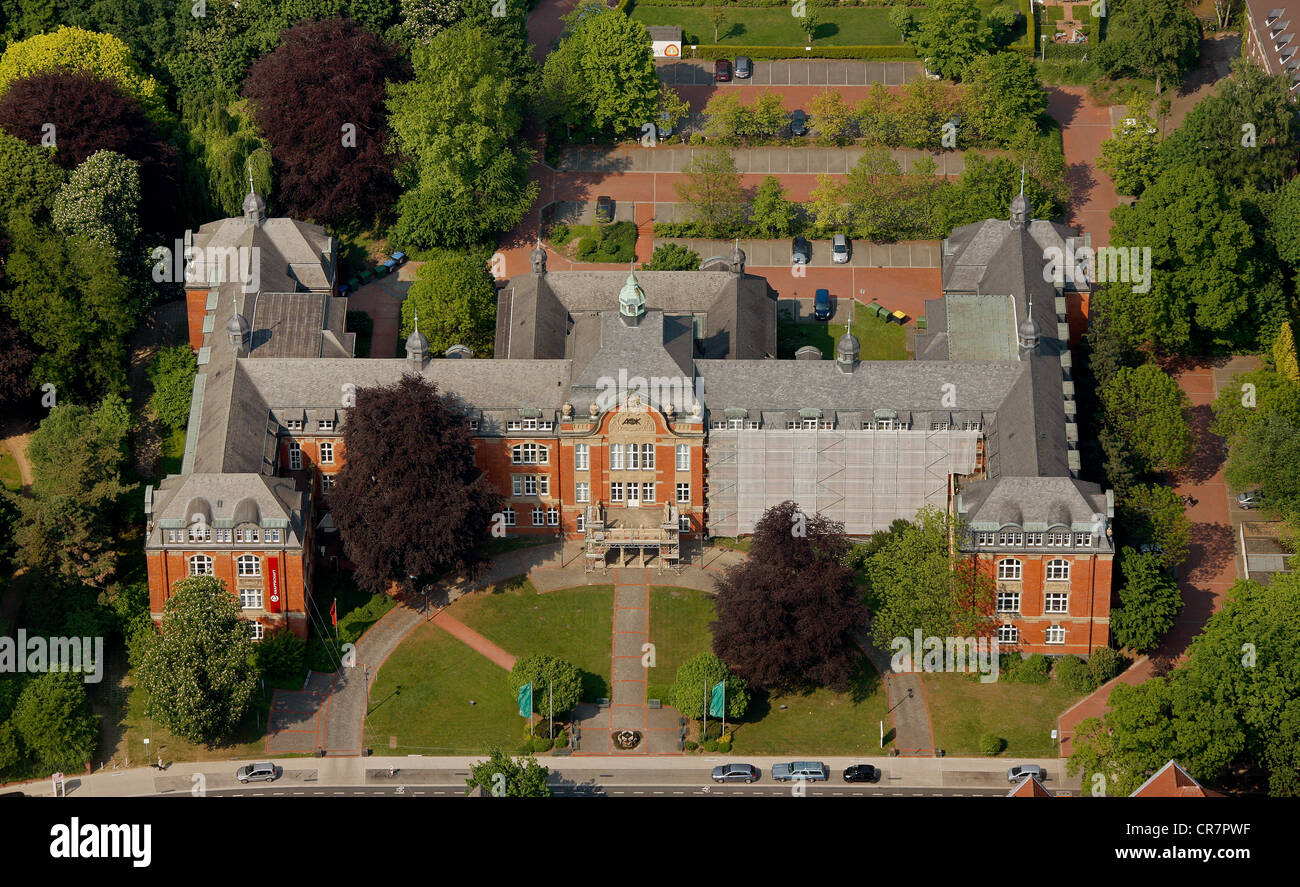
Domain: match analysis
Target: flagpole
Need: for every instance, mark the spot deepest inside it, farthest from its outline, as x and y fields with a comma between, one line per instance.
x=704, y=732
x=724, y=705
x=550, y=691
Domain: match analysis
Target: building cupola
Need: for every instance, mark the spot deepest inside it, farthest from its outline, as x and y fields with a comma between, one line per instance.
x=417, y=348
x=254, y=205
x=847, y=351
x=631, y=301
x=239, y=331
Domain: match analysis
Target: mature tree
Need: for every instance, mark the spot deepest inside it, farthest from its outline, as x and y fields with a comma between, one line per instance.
x=712, y=188
x=1002, y=21
x=223, y=140
x=1130, y=154
x=917, y=581
x=771, y=213
x=1154, y=515
x=985, y=190
x=921, y=113
x=810, y=22
x=557, y=684
x=101, y=56
x=727, y=118
x=696, y=678
x=70, y=299
x=788, y=613
x=28, y=179
x=825, y=205
x=17, y=357
x=172, y=374
x=1150, y=38
x=1284, y=225
x=769, y=116
x=1149, y=602
x=1148, y=409
x=197, y=673
x=89, y=114
x=1244, y=133
x=834, y=116
x=1003, y=91
x=877, y=117
x=54, y=719
x=101, y=201
x=601, y=78
x=457, y=123
x=410, y=500
x=1249, y=398
x=951, y=35
x=1266, y=455
x=673, y=257
x=456, y=301
x=1284, y=354
x=319, y=98
x=425, y=19
x=1210, y=287
x=902, y=19
x=502, y=777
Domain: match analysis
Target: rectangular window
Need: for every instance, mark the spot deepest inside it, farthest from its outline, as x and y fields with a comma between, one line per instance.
x=582, y=492
x=1033, y=538
x=986, y=538
x=582, y=522
x=751, y=423
x=530, y=425
x=508, y=516
x=293, y=424
x=250, y=565
x=1057, y=603
x=473, y=424
x=683, y=452
x=683, y=492
x=616, y=492
x=1008, y=602
x=1008, y=634
x=718, y=425
x=258, y=631
x=1009, y=570
x=514, y=425
x=1083, y=540
x=250, y=598
x=228, y=535
x=516, y=485
x=615, y=457
x=582, y=457
x=1055, y=634
x=295, y=456
x=684, y=523
x=647, y=492
x=327, y=453
x=274, y=535
x=326, y=483
x=539, y=517
x=530, y=485
x=633, y=462
x=647, y=456
x=1058, y=539
x=633, y=494
x=544, y=484
x=552, y=517
x=246, y=535
x=325, y=425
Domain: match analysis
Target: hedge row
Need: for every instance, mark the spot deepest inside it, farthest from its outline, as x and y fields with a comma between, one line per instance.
x=877, y=4
x=895, y=53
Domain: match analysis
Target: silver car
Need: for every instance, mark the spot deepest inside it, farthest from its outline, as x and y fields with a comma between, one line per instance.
x=810, y=771
x=1252, y=499
x=1020, y=771
x=262, y=771
x=735, y=773
x=840, y=250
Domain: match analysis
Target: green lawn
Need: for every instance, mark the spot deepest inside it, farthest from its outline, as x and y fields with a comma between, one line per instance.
x=10, y=476
x=880, y=340
x=1023, y=714
x=775, y=26
x=575, y=624
x=679, y=629
x=819, y=723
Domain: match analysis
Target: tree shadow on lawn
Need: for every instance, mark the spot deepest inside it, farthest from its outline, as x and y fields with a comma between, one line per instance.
x=594, y=686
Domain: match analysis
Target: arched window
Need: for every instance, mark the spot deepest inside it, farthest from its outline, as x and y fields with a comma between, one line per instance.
x=1058, y=568
x=250, y=565
x=200, y=565
x=1009, y=568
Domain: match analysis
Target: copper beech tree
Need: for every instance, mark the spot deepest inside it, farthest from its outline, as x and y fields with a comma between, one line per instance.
x=787, y=614
x=410, y=500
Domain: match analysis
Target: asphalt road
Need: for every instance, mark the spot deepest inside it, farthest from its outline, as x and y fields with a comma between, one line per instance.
x=613, y=791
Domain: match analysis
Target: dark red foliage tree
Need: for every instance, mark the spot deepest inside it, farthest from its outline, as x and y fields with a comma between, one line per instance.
x=319, y=100
x=410, y=500
x=788, y=613
x=90, y=114
x=17, y=357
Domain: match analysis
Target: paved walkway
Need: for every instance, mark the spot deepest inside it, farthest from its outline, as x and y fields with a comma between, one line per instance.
x=472, y=639
x=1084, y=126
x=1213, y=562
x=382, y=300
x=913, y=734
x=804, y=160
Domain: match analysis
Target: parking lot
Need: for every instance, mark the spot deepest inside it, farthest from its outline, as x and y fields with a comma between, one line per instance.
x=795, y=72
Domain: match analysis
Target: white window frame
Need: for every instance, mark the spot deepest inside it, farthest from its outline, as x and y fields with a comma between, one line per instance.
x=582, y=522
x=1056, y=602
x=615, y=491
x=516, y=485
x=1008, y=634
x=683, y=523
x=514, y=425
x=632, y=457
x=248, y=565
x=647, y=457
x=295, y=456
x=615, y=457
x=683, y=492
x=293, y=424
x=539, y=516
x=200, y=565
x=530, y=485
x=1083, y=540
x=552, y=517
x=1058, y=570
x=582, y=457
x=1055, y=634
x=250, y=598
x=326, y=483
x=633, y=493
x=1033, y=538
x=325, y=425
x=985, y=538
x=508, y=516
x=1008, y=602
x=327, y=452
x=258, y=631
x=648, y=492
x=274, y=535
x=683, y=457
x=582, y=492
x=1010, y=570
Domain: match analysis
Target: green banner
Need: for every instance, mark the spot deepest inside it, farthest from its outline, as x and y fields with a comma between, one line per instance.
x=718, y=700
x=526, y=701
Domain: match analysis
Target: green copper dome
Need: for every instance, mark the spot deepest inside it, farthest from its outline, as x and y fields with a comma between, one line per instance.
x=631, y=299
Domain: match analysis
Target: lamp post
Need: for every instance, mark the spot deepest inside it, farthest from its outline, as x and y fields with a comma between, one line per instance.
x=1042, y=39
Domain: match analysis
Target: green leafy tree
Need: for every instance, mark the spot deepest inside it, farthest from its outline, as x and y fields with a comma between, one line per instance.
x=1284, y=354
x=717, y=17
x=1002, y=21
x=1159, y=39
x=500, y=776
x=1284, y=225
x=712, y=188
x=1003, y=91
x=555, y=682
x=1154, y=516
x=223, y=140
x=834, y=116
x=811, y=21
x=1266, y=455
x=1251, y=396
x=197, y=671
x=951, y=34
x=1148, y=409
x=825, y=205
x=1130, y=154
x=696, y=679
x=916, y=581
x=902, y=19
x=54, y=719
x=172, y=374
x=101, y=202
x=727, y=118
x=29, y=179
x=768, y=115
x=771, y=213
x=673, y=257
x=672, y=107
x=1149, y=602
x=921, y=114
x=456, y=300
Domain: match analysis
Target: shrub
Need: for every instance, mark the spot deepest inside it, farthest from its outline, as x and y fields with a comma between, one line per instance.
x=690, y=745
x=1074, y=675
x=614, y=243
x=672, y=257
x=172, y=374
x=1033, y=670
x=281, y=656
x=713, y=730
x=562, y=739
x=724, y=746
x=1103, y=664
x=1008, y=663
x=541, y=744
x=710, y=745
x=991, y=744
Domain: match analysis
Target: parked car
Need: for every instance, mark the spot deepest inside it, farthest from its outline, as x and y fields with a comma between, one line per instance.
x=344, y=289
x=604, y=209
x=801, y=251
x=735, y=773
x=1252, y=499
x=840, y=250
x=799, y=123
x=262, y=771
x=664, y=128
x=810, y=771
x=861, y=773
x=822, y=304
x=722, y=70
x=744, y=67
x=1020, y=771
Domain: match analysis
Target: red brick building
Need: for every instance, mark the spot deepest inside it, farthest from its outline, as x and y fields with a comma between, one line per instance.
x=1270, y=38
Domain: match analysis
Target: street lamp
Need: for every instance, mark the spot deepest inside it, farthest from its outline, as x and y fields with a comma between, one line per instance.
x=1043, y=40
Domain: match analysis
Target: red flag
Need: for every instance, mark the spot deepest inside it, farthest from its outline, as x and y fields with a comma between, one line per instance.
x=334, y=612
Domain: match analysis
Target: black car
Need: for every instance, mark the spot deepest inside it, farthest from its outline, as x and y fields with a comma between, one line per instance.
x=861, y=773
x=604, y=209
x=800, y=251
x=722, y=70
x=799, y=123
x=744, y=67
